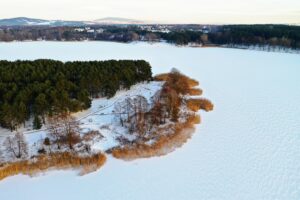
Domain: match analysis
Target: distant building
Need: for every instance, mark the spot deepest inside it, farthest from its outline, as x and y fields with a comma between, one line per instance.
x=205, y=29
x=100, y=30
x=79, y=29
x=155, y=28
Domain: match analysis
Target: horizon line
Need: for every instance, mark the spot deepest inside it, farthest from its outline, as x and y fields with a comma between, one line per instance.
x=146, y=22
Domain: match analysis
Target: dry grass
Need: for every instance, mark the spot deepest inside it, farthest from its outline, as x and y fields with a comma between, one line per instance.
x=161, y=77
x=165, y=143
x=192, y=82
x=195, y=92
x=162, y=146
x=64, y=160
x=197, y=104
x=164, y=77
x=89, y=136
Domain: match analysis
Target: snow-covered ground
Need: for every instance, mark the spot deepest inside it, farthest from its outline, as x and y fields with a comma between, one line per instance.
x=100, y=117
x=247, y=148
x=101, y=114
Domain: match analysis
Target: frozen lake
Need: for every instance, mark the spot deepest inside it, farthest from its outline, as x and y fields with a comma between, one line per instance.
x=247, y=148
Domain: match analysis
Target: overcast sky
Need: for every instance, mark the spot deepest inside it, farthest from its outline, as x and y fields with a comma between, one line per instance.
x=169, y=11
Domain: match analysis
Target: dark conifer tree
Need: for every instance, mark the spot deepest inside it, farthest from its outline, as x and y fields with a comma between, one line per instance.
x=42, y=87
x=37, y=124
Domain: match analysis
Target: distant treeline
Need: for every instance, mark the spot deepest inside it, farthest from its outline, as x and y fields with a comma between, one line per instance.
x=273, y=35
x=42, y=87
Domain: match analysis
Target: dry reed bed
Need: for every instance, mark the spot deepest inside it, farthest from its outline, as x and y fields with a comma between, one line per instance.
x=195, y=92
x=163, y=145
x=182, y=131
x=164, y=77
x=200, y=104
x=63, y=160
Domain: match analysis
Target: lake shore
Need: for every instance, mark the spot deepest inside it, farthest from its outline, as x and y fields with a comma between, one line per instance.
x=251, y=136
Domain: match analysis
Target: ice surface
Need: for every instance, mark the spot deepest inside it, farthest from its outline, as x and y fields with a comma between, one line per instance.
x=247, y=148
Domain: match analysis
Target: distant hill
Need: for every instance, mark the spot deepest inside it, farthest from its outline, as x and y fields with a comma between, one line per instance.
x=24, y=21
x=116, y=20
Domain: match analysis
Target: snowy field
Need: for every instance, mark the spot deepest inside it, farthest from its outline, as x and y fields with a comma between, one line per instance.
x=247, y=148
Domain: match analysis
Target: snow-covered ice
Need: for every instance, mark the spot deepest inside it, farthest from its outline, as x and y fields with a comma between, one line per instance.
x=247, y=148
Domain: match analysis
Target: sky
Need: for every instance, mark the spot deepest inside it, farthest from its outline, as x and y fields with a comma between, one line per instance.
x=164, y=11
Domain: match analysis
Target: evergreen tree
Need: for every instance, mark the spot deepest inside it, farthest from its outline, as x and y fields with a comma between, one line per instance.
x=21, y=113
x=41, y=87
x=41, y=105
x=37, y=124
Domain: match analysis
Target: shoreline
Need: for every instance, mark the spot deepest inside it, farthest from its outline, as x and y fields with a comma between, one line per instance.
x=167, y=137
x=164, y=135
x=264, y=48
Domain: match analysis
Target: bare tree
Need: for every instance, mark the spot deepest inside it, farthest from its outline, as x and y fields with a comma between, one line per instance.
x=141, y=108
x=151, y=37
x=1, y=155
x=16, y=146
x=156, y=114
x=142, y=103
x=55, y=131
x=136, y=110
x=119, y=111
x=71, y=131
x=204, y=38
x=64, y=130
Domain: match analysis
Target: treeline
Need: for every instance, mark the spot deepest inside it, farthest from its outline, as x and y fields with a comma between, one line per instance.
x=41, y=33
x=272, y=35
x=47, y=87
x=68, y=34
